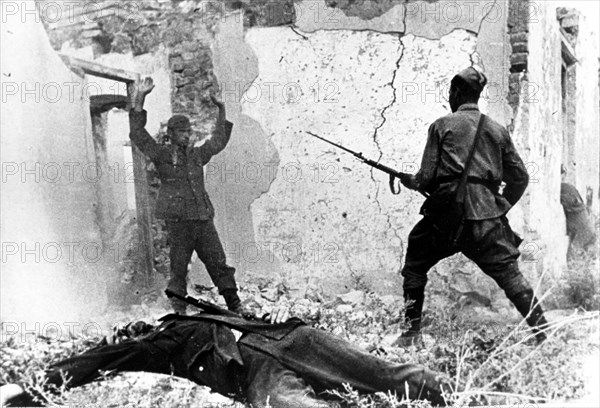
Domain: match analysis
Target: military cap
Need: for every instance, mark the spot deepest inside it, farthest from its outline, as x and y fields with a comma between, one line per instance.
x=178, y=122
x=472, y=77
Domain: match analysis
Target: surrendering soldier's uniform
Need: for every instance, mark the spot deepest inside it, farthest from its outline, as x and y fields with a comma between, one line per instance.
x=287, y=364
x=185, y=206
x=487, y=238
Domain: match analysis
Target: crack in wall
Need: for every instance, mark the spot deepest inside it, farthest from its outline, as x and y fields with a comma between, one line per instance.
x=375, y=133
x=475, y=57
x=494, y=4
x=293, y=28
x=383, y=113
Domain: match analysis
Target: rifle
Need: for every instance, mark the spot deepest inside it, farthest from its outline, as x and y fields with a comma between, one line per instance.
x=394, y=174
x=202, y=304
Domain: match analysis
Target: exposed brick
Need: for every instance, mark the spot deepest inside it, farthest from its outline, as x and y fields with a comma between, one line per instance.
x=121, y=43
x=191, y=72
x=146, y=39
x=515, y=77
x=519, y=61
x=180, y=80
x=189, y=90
x=521, y=47
x=188, y=55
x=177, y=66
x=91, y=33
x=519, y=37
x=570, y=22
x=514, y=88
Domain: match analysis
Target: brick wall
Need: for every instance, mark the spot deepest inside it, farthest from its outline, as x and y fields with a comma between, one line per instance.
x=518, y=30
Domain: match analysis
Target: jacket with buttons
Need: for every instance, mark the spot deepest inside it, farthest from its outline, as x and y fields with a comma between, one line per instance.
x=495, y=160
x=182, y=194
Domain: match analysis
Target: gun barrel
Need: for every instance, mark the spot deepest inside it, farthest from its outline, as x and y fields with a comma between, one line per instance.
x=372, y=163
x=336, y=145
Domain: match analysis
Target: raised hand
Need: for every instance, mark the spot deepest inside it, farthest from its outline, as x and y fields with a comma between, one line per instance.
x=146, y=86
x=137, y=92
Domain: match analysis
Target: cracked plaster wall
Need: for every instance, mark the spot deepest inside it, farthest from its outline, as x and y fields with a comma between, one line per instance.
x=327, y=215
x=372, y=75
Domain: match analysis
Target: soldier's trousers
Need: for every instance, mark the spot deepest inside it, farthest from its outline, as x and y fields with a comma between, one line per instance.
x=188, y=236
x=491, y=244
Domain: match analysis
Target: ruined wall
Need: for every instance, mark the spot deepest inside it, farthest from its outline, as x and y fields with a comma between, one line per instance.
x=383, y=76
x=51, y=246
x=587, y=149
x=538, y=131
x=370, y=75
x=538, y=135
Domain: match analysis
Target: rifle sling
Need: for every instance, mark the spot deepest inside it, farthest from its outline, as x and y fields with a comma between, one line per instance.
x=461, y=189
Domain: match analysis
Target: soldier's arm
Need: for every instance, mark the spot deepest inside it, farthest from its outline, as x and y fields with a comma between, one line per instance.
x=220, y=136
x=426, y=175
x=514, y=172
x=137, y=119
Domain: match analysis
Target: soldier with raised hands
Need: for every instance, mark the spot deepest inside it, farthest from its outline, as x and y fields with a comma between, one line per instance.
x=182, y=200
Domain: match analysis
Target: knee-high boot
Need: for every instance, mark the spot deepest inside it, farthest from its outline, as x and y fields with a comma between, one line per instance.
x=529, y=307
x=416, y=297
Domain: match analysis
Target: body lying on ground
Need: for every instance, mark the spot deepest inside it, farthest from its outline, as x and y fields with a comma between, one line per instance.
x=286, y=364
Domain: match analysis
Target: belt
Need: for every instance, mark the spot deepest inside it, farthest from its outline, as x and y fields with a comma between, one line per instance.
x=490, y=184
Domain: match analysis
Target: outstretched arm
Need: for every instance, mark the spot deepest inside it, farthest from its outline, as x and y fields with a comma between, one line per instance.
x=220, y=136
x=137, y=118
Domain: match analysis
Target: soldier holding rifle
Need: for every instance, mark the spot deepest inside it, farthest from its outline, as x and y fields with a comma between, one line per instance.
x=466, y=158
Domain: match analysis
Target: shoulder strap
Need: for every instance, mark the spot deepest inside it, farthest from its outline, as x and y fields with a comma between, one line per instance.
x=461, y=190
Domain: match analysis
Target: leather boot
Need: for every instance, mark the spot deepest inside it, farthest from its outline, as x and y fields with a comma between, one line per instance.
x=528, y=305
x=413, y=315
x=234, y=303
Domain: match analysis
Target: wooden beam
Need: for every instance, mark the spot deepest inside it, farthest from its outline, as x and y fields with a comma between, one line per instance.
x=144, y=216
x=99, y=70
x=142, y=199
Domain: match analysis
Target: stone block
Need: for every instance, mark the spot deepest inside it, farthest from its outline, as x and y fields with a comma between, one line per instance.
x=188, y=56
x=519, y=37
x=177, y=66
x=569, y=21
x=518, y=62
x=91, y=33
x=180, y=80
x=189, y=90
x=121, y=43
x=520, y=47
